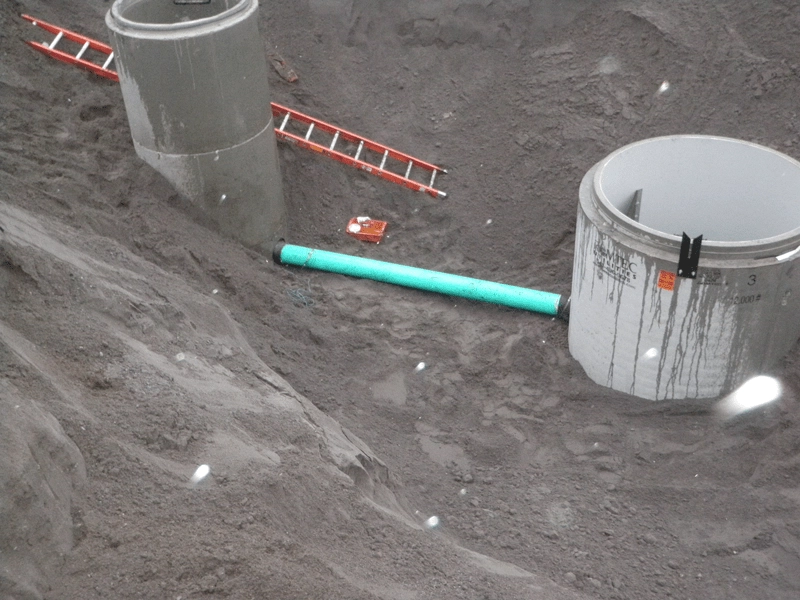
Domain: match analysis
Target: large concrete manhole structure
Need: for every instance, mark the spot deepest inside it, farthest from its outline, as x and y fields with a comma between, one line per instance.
x=194, y=82
x=650, y=314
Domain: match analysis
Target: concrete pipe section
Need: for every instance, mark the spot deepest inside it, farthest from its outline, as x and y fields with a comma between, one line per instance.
x=194, y=82
x=662, y=317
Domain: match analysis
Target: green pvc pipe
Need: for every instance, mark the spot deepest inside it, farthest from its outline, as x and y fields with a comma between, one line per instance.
x=423, y=279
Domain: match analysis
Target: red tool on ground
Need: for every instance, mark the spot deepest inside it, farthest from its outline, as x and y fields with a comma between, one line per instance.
x=295, y=127
x=77, y=59
x=366, y=229
x=306, y=125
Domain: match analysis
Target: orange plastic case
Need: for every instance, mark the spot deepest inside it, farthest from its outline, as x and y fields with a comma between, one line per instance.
x=366, y=229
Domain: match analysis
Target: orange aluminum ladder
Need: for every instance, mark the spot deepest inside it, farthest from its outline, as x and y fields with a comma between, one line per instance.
x=362, y=145
x=302, y=124
x=77, y=59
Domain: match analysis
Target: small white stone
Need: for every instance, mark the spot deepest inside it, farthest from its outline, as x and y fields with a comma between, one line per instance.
x=200, y=473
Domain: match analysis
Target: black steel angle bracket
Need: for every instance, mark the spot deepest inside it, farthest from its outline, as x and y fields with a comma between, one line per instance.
x=689, y=256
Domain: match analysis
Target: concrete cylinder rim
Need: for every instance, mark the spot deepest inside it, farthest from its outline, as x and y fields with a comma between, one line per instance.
x=786, y=240
x=121, y=21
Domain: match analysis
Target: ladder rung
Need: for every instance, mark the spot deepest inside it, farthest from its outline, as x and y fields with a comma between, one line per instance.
x=285, y=121
x=383, y=162
x=83, y=49
x=335, y=139
x=360, y=148
x=308, y=133
x=433, y=177
x=108, y=60
x=56, y=40
x=408, y=170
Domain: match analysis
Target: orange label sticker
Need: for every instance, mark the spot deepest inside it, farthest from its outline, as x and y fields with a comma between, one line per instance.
x=666, y=280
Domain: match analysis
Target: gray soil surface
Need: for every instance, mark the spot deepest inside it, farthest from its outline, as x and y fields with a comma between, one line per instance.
x=136, y=343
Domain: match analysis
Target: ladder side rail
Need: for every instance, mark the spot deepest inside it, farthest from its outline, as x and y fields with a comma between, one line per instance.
x=280, y=111
x=93, y=44
x=360, y=164
x=43, y=24
x=401, y=156
x=352, y=137
x=339, y=134
x=70, y=35
x=70, y=59
x=381, y=148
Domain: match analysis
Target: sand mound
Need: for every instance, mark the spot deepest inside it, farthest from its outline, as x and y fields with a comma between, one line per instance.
x=138, y=343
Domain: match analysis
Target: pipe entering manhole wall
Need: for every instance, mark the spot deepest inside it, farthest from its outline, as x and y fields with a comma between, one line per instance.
x=194, y=82
x=637, y=326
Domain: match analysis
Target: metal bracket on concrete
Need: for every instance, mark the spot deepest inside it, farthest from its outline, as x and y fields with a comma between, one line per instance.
x=635, y=206
x=689, y=256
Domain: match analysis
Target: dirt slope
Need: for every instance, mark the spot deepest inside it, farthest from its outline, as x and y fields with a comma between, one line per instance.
x=136, y=343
